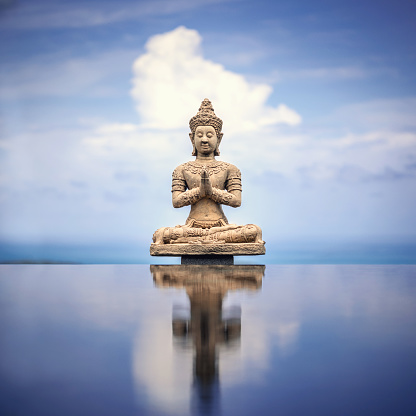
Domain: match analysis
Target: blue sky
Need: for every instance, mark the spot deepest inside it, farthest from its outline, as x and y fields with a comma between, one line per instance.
x=318, y=101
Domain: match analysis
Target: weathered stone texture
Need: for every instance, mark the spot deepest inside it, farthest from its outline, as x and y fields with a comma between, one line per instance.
x=206, y=184
x=233, y=249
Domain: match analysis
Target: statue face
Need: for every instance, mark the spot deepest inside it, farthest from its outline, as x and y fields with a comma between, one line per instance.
x=205, y=140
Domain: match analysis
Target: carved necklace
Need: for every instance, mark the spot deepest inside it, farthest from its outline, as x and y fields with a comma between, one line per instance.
x=212, y=168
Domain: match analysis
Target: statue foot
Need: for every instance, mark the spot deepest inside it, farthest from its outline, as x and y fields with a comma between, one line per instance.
x=158, y=235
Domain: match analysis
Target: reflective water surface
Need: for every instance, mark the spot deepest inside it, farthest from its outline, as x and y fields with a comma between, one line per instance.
x=178, y=340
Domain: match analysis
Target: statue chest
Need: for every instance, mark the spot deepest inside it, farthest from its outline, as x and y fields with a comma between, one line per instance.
x=218, y=179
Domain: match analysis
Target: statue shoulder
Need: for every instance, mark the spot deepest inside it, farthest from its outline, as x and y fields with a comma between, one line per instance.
x=233, y=170
x=225, y=166
x=178, y=172
x=190, y=166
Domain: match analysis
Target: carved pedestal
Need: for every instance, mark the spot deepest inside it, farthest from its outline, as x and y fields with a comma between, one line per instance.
x=207, y=253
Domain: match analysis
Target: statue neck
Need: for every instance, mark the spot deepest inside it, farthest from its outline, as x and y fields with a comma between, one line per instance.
x=205, y=159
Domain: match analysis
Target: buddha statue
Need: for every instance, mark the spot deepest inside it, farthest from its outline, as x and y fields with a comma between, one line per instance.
x=206, y=184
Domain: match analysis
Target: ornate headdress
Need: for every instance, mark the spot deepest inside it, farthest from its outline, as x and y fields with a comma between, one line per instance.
x=206, y=117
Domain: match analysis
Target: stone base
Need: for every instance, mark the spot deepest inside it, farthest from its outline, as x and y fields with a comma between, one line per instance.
x=226, y=249
x=208, y=259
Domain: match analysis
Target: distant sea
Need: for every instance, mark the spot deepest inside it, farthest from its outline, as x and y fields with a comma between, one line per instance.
x=281, y=252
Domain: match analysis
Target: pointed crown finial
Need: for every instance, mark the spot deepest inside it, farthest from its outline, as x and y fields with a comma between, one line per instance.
x=206, y=117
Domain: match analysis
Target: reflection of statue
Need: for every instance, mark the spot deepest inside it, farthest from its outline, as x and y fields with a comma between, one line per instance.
x=206, y=184
x=208, y=324
x=214, y=278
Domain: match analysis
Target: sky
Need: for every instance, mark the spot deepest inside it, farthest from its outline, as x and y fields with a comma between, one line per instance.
x=317, y=98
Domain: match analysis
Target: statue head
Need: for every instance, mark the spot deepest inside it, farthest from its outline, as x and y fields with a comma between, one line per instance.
x=206, y=117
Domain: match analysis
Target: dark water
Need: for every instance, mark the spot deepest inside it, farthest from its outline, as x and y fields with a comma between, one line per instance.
x=232, y=340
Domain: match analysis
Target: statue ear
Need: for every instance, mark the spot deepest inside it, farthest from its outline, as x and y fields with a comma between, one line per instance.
x=217, y=149
x=191, y=136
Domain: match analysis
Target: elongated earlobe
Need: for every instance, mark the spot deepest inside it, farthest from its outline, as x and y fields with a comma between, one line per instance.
x=191, y=136
x=217, y=149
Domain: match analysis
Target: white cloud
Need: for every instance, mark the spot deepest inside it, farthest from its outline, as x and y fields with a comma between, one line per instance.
x=172, y=78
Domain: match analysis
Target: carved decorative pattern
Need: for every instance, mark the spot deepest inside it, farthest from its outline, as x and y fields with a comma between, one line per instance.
x=190, y=197
x=206, y=117
x=222, y=197
x=212, y=168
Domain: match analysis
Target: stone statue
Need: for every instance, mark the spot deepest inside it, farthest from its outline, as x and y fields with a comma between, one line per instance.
x=206, y=184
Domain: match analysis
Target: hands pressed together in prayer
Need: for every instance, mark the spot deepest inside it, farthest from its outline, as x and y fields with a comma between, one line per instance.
x=206, y=186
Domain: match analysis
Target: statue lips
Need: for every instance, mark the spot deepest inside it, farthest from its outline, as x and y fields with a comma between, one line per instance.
x=205, y=150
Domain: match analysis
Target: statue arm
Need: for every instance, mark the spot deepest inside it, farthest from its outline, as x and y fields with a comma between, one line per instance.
x=232, y=195
x=180, y=195
x=183, y=198
x=233, y=198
